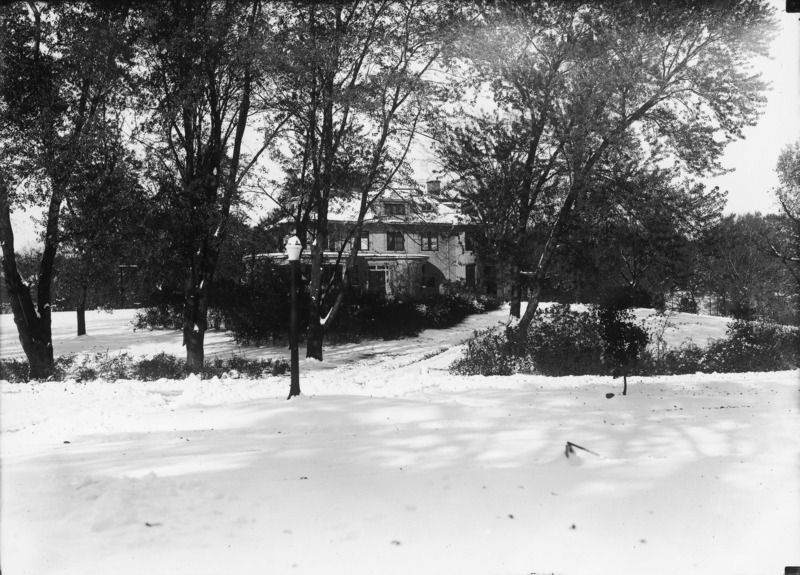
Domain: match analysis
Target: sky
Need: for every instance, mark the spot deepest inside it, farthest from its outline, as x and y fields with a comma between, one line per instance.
x=752, y=159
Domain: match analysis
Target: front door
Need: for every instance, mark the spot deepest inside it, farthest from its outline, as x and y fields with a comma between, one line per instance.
x=377, y=279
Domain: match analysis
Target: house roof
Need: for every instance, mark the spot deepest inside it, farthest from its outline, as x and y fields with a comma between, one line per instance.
x=420, y=208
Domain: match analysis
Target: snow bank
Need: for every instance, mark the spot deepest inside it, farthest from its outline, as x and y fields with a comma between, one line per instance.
x=388, y=464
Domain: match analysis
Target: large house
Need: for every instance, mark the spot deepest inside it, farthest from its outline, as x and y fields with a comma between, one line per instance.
x=412, y=242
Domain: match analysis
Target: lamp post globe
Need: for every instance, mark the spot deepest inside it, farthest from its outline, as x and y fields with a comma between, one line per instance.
x=293, y=248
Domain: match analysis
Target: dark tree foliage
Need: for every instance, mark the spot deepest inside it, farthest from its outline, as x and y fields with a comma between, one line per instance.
x=63, y=67
x=204, y=85
x=98, y=232
x=784, y=241
x=639, y=233
x=573, y=92
x=623, y=340
x=737, y=269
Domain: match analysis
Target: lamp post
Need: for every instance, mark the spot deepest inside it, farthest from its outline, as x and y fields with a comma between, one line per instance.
x=293, y=249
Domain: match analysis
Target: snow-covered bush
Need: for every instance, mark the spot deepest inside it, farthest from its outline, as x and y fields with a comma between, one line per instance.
x=237, y=366
x=564, y=342
x=558, y=342
x=14, y=370
x=686, y=359
x=488, y=352
x=161, y=366
x=754, y=346
x=161, y=316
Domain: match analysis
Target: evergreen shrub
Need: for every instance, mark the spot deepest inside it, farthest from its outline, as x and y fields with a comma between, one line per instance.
x=754, y=346
x=123, y=366
x=563, y=342
x=258, y=313
x=686, y=359
x=160, y=316
x=558, y=342
x=161, y=365
x=488, y=352
x=14, y=370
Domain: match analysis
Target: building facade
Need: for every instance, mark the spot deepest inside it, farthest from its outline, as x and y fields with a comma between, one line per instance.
x=412, y=242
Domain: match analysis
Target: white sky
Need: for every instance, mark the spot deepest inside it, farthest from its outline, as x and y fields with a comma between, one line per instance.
x=754, y=158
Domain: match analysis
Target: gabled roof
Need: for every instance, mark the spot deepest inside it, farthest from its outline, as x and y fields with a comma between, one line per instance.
x=420, y=208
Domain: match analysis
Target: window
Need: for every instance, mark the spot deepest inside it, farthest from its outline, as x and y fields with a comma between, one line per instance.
x=332, y=243
x=377, y=279
x=394, y=209
x=395, y=242
x=364, y=241
x=470, y=279
x=429, y=241
x=469, y=241
x=426, y=207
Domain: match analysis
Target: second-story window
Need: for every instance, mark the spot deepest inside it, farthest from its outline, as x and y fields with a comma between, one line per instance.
x=364, y=241
x=429, y=241
x=394, y=242
x=469, y=241
x=394, y=209
x=332, y=243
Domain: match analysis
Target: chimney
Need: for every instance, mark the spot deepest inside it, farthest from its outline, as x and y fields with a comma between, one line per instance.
x=434, y=187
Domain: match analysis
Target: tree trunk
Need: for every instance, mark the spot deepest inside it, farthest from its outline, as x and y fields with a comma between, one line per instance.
x=33, y=329
x=515, y=334
x=624, y=383
x=516, y=291
x=316, y=335
x=81, y=311
x=316, y=331
x=195, y=310
x=195, y=318
x=194, y=351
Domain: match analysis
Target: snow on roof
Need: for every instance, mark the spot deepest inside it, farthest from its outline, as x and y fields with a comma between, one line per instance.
x=420, y=207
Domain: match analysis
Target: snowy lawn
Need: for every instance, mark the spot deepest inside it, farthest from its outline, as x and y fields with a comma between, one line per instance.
x=388, y=464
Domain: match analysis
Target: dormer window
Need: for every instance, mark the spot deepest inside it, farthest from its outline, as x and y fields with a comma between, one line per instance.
x=426, y=207
x=394, y=208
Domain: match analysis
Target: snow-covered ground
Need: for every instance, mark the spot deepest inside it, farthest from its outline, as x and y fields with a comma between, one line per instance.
x=388, y=464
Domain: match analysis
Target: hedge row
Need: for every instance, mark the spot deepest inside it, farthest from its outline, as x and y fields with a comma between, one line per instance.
x=260, y=316
x=123, y=366
x=561, y=342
